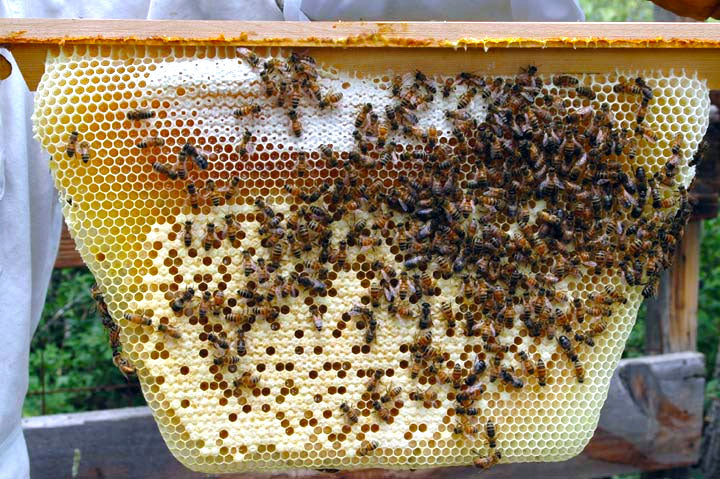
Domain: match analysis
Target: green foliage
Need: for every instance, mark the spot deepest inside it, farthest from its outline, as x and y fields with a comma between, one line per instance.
x=617, y=10
x=709, y=299
x=70, y=350
x=712, y=392
x=635, y=346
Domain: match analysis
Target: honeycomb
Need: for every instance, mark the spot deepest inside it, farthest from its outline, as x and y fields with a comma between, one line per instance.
x=273, y=256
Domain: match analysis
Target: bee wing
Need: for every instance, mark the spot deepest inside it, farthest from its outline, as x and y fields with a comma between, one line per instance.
x=389, y=293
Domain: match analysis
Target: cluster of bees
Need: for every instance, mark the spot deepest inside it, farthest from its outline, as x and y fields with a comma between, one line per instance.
x=113, y=331
x=558, y=175
x=286, y=83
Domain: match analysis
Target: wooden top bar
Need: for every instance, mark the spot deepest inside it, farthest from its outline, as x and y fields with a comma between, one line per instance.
x=365, y=34
x=501, y=47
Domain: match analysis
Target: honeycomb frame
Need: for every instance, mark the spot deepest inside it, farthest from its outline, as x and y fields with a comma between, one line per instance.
x=137, y=256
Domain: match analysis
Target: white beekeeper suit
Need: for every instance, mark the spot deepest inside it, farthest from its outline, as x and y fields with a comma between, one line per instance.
x=30, y=215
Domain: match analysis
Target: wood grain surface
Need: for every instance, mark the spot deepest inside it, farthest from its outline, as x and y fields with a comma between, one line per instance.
x=338, y=34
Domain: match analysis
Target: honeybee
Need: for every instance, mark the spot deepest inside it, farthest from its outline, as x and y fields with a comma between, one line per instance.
x=246, y=110
x=316, y=316
x=527, y=363
x=649, y=290
x=181, y=168
x=456, y=376
x=646, y=134
x=564, y=81
x=350, y=413
x=367, y=448
x=464, y=426
x=466, y=98
x=610, y=295
x=486, y=462
x=98, y=297
x=427, y=283
x=470, y=395
x=370, y=331
x=423, y=340
x=466, y=411
x=249, y=56
x=165, y=170
x=169, y=330
x=627, y=87
x=210, y=237
x=372, y=384
x=312, y=284
x=493, y=347
x=178, y=304
x=641, y=113
x=426, y=318
x=263, y=275
x=405, y=286
x=585, y=92
x=541, y=372
x=150, y=142
x=204, y=306
x=139, y=114
x=375, y=293
x=567, y=347
x=361, y=117
x=247, y=379
x=441, y=377
x=125, y=367
x=200, y=159
x=427, y=396
x=479, y=367
x=242, y=147
x=330, y=99
x=368, y=243
x=448, y=314
x=226, y=360
x=236, y=317
x=193, y=196
x=507, y=376
x=270, y=87
x=382, y=411
x=219, y=342
x=391, y=393
x=490, y=433
x=579, y=370
x=448, y=87
x=240, y=346
x=295, y=123
x=138, y=319
x=403, y=311
x=84, y=151
x=71, y=144
x=248, y=264
x=231, y=228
